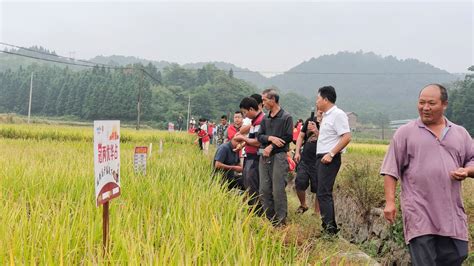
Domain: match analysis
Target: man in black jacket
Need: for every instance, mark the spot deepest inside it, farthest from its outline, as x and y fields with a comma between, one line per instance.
x=275, y=135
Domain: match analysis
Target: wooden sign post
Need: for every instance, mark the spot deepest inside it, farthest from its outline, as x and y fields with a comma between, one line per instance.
x=105, y=228
x=106, y=170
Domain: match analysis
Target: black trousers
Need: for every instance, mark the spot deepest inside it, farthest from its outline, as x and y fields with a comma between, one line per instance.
x=305, y=175
x=437, y=250
x=251, y=178
x=326, y=177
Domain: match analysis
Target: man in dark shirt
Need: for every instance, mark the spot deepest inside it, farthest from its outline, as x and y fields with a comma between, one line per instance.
x=180, y=123
x=275, y=135
x=227, y=161
x=307, y=172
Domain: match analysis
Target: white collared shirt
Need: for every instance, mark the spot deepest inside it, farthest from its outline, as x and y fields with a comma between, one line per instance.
x=334, y=124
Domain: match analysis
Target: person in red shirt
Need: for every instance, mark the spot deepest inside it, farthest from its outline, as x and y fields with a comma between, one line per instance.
x=203, y=136
x=249, y=106
x=210, y=132
x=205, y=139
x=235, y=127
x=297, y=130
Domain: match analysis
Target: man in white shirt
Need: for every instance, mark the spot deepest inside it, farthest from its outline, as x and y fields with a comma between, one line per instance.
x=334, y=135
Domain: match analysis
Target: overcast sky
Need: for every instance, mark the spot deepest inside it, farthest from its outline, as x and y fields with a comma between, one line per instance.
x=264, y=36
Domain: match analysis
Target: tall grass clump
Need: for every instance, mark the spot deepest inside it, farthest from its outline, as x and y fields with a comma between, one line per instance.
x=362, y=182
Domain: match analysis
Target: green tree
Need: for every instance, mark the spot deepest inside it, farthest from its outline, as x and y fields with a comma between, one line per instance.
x=461, y=103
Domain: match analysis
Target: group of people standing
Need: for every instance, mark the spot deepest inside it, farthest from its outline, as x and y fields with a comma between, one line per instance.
x=263, y=140
x=208, y=133
x=430, y=156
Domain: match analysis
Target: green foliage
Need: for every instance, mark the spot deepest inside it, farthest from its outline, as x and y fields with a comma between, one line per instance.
x=212, y=93
x=297, y=105
x=365, y=94
x=99, y=93
x=103, y=94
x=362, y=182
x=461, y=103
x=89, y=94
x=14, y=62
x=396, y=231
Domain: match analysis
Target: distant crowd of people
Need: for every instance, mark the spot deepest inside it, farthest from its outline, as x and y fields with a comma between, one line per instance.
x=430, y=156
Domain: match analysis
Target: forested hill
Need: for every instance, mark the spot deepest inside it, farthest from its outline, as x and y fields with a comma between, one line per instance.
x=8, y=61
x=248, y=75
x=366, y=83
x=241, y=73
x=120, y=60
x=370, y=85
x=101, y=93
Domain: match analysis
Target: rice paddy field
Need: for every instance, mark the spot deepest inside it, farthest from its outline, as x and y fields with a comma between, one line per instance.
x=175, y=215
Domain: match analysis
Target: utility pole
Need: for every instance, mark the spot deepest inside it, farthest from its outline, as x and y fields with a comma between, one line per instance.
x=139, y=100
x=189, y=110
x=31, y=93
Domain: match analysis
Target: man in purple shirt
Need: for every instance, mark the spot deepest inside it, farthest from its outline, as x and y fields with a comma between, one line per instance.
x=431, y=156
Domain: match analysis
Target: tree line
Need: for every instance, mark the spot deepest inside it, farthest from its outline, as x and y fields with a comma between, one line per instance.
x=102, y=93
x=461, y=103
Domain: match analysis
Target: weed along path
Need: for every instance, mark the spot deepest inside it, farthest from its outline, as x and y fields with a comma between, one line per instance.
x=176, y=214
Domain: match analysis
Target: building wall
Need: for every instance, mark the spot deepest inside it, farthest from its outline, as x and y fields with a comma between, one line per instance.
x=352, y=121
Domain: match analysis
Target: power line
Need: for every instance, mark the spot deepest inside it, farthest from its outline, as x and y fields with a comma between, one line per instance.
x=83, y=65
x=46, y=59
x=144, y=72
x=55, y=55
x=73, y=59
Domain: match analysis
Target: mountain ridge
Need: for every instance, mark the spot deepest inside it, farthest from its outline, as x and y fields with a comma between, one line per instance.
x=367, y=83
